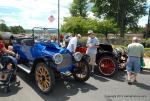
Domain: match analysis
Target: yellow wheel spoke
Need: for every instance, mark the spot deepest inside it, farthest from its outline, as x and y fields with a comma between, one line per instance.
x=43, y=77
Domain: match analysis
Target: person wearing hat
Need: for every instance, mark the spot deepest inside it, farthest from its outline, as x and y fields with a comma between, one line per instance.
x=135, y=51
x=73, y=43
x=92, y=45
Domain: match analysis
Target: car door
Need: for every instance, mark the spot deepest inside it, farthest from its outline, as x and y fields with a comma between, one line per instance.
x=27, y=48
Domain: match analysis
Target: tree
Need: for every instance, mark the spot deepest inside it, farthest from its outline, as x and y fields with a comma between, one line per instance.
x=3, y=27
x=79, y=8
x=80, y=25
x=17, y=29
x=74, y=25
x=125, y=12
x=108, y=26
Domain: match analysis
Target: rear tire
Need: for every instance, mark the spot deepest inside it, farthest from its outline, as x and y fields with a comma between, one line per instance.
x=44, y=77
x=107, y=66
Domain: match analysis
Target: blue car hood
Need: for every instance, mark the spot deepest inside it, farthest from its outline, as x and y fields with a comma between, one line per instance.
x=52, y=48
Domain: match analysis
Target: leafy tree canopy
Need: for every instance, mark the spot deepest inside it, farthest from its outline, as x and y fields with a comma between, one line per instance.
x=79, y=8
x=17, y=29
x=80, y=25
x=4, y=28
x=125, y=12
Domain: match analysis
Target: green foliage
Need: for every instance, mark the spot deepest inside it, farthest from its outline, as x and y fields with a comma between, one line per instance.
x=4, y=28
x=146, y=42
x=125, y=12
x=13, y=29
x=74, y=25
x=108, y=26
x=146, y=52
x=91, y=24
x=17, y=29
x=79, y=8
x=137, y=29
x=83, y=40
x=80, y=25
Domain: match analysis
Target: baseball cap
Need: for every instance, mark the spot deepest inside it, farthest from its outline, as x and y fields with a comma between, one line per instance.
x=90, y=32
x=79, y=35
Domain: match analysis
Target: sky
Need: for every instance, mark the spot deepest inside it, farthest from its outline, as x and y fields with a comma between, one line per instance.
x=31, y=13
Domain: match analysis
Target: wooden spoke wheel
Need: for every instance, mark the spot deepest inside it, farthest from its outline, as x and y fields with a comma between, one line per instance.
x=44, y=77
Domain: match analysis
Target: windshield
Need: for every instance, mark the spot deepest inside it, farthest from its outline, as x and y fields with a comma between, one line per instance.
x=45, y=34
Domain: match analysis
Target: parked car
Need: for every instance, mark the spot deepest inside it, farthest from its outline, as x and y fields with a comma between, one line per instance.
x=45, y=59
x=107, y=60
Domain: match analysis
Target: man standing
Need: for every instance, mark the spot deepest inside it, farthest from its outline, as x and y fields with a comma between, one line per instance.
x=73, y=43
x=135, y=51
x=92, y=45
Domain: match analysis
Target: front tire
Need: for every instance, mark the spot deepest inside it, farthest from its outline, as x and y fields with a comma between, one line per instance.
x=107, y=66
x=81, y=71
x=44, y=77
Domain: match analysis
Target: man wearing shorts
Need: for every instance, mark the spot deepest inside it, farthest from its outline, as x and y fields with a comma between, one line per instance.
x=92, y=45
x=135, y=51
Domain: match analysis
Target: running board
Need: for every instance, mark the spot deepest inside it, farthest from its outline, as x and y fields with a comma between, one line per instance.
x=24, y=68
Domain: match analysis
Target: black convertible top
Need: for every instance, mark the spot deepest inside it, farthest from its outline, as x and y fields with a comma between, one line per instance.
x=105, y=47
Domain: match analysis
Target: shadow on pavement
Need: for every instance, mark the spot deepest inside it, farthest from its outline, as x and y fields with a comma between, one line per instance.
x=63, y=90
x=146, y=72
x=118, y=76
x=13, y=90
x=143, y=86
x=99, y=77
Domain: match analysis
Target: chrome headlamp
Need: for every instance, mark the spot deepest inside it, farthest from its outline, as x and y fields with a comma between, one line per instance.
x=58, y=58
x=77, y=56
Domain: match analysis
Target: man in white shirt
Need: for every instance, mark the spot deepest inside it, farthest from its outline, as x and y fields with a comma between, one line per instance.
x=73, y=43
x=92, y=45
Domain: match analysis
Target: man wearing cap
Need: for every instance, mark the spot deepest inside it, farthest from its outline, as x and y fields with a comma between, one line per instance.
x=92, y=45
x=135, y=51
x=73, y=43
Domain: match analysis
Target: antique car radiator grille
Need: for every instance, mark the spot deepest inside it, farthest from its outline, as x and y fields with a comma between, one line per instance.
x=67, y=61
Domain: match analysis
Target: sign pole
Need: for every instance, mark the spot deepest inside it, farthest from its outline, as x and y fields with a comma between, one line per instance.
x=58, y=22
x=148, y=25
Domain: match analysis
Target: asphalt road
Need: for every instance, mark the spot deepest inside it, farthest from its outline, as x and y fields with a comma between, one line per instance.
x=97, y=88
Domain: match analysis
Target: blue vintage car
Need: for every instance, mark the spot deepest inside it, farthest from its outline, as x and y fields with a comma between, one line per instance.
x=44, y=58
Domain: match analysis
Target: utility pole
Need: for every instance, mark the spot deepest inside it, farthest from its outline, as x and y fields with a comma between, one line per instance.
x=58, y=22
x=117, y=17
x=118, y=12
x=148, y=25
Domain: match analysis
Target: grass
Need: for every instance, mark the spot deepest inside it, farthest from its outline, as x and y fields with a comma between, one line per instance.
x=147, y=52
